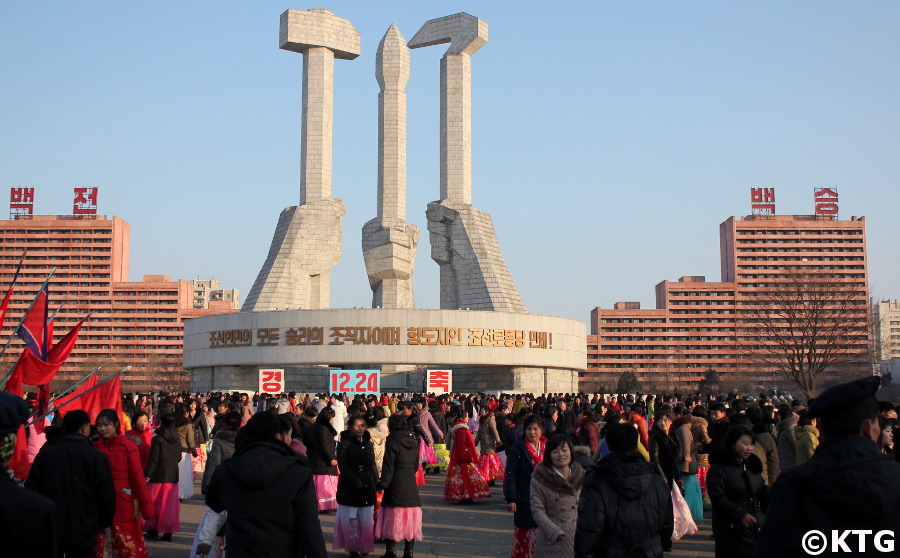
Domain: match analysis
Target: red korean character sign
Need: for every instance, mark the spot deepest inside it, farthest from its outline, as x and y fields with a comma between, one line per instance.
x=439, y=382
x=762, y=201
x=21, y=202
x=85, y=201
x=826, y=202
x=355, y=381
x=271, y=380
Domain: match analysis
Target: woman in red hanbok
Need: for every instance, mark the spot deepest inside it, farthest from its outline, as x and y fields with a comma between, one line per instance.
x=124, y=539
x=464, y=481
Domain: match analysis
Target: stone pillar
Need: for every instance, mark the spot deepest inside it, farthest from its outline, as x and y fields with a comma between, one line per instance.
x=463, y=241
x=307, y=240
x=389, y=242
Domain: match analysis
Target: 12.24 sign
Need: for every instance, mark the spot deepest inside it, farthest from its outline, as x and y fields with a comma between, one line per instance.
x=355, y=381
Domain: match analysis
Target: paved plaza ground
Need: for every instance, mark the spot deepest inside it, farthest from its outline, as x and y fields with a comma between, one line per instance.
x=481, y=530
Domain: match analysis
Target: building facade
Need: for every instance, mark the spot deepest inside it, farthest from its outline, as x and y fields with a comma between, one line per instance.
x=209, y=290
x=887, y=337
x=138, y=324
x=700, y=326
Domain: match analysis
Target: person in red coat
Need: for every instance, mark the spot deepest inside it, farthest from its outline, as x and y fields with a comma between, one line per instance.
x=141, y=435
x=124, y=538
x=464, y=481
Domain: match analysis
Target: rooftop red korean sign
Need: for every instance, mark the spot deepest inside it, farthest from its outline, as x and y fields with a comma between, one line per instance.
x=21, y=202
x=762, y=201
x=826, y=202
x=85, y=202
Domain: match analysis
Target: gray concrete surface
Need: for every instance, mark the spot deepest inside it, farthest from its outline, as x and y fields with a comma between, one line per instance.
x=481, y=530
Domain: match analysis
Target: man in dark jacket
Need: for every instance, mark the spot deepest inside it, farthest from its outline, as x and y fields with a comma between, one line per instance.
x=27, y=519
x=847, y=484
x=718, y=428
x=625, y=507
x=222, y=446
x=76, y=476
x=269, y=495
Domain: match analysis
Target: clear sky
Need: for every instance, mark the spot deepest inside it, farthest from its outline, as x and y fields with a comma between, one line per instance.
x=610, y=138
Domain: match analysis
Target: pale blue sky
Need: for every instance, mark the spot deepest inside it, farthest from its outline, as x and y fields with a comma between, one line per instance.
x=610, y=139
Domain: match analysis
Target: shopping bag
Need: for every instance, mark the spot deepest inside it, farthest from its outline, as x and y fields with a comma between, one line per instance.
x=420, y=476
x=684, y=523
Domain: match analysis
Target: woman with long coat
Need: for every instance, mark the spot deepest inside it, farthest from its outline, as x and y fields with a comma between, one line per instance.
x=400, y=517
x=738, y=494
x=464, y=482
x=162, y=475
x=663, y=448
x=555, y=489
x=524, y=456
x=323, y=460
x=188, y=450
x=688, y=465
x=488, y=439
x=124, y=539
x=201, y=436
x=354, y=528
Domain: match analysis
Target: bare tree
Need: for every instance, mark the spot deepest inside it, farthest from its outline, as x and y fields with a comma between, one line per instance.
x=807, y=328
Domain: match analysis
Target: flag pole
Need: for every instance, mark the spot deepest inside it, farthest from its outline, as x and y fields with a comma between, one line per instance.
x=79, y=395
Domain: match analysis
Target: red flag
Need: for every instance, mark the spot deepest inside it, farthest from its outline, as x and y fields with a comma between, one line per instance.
x=75, y=396
x=33, y=330
x=108, y=395
x=32, y=370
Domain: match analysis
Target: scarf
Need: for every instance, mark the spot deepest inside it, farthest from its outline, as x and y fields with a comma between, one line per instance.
x=537, y=455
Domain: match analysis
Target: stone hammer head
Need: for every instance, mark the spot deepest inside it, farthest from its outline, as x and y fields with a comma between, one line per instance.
x=465, y=33
x=302, y=30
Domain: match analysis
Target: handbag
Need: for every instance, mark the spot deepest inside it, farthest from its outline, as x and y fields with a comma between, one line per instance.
x=684, y=523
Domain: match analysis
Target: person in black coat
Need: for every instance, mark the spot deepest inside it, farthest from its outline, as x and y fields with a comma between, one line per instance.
x=625, y=508
x=401, y=506
x=323, y=460
x=521, y=459
x=27, y=526
x=718, y=425
x=77, y=477
x=738, y=494
x=847, y=484
x=163, y=474
x=354, y=526
x=222, y=446
x=663, y=448
x=269, y=495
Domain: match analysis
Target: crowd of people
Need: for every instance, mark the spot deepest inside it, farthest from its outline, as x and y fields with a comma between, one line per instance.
x=583, y=475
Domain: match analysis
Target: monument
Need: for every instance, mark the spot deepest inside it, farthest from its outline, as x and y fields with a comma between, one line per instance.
x=307, y=240
x=481, y=332
x=463, y=241
x=389, y=242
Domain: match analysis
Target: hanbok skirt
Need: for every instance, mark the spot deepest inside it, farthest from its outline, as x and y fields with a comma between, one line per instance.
x=354, y=529
x=523, y=542
x=185, y=476
x=168, y=509
x=199, y=462
x=399, y=524
x=442, y=455
x=464, y=482
x=701, y=478
x=120, y=541
x=693, y=496
x=490, y=467
x=326, y=491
